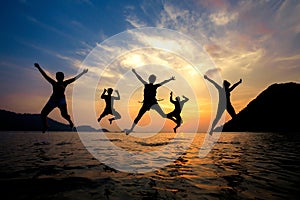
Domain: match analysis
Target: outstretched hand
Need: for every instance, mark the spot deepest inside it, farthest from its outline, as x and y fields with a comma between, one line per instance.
x=82, y=73
x=133, y=70
x=171, y=93
x=205, y=77
x=172, y=78
x=36, y=65
x=240, y=81
x=85, y=71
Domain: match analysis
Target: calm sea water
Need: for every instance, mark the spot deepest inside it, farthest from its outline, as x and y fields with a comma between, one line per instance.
x=240, y=166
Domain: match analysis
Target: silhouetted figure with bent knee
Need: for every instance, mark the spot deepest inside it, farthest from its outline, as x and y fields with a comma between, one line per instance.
x=224, y=100
x=57, y=98
x=109, y=101
x=175, y=114
x=150, y=101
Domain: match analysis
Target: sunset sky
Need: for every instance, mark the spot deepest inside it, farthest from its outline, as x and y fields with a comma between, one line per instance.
x=257, y=41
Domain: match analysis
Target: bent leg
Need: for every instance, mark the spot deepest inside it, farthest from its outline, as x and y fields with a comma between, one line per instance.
x=219, y=114
x=231, y=110
x=172, y=117
x=44, y=113
x=64, y=114
x=137, y=119
x=140, y=114
x=116, y=116
x=158, y=109
x=103, y=114
x=178, y=122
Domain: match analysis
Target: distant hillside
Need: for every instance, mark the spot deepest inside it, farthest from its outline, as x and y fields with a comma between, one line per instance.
x=276, y=109
x=10, y=121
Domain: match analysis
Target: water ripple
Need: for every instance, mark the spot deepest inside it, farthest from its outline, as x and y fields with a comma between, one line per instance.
x=240, y=166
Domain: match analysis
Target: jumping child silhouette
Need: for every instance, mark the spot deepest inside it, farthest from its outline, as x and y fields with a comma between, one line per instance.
x=150, y=101
x=224, y=100
x=57, y=98
x=175, y=114
x=109, y=101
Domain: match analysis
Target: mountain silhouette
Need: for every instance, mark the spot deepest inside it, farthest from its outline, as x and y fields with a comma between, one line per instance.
x=10, y=121
x=276, y=109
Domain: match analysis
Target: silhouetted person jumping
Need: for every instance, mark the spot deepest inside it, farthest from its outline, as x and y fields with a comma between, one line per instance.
x=150, y=101
x=57, y=98
x=109, y=101
x=224, y=100
x=175, y=114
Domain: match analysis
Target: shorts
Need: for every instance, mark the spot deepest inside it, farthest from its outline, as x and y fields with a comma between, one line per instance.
x=56, y=102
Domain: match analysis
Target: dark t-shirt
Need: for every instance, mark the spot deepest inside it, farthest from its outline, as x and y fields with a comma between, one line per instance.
x=108, y=102
x=177, y=106
x=227, y=93
x=150, y=93
x=59, y=88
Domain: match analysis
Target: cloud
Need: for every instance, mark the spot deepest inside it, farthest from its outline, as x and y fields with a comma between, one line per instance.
x=132, y=60
x=240, y=39
x=289, y=58
x=223, y=18
x=135, y=22
x=190, y=22
x=132, y=19
x=215, y=4
x=212, y=72
x=236, y=35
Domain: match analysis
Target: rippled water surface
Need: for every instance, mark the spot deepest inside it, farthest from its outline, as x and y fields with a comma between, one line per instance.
x=240, y=166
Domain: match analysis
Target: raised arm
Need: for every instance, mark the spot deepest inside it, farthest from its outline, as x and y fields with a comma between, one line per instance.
x=118, y=95
x=213, y=82
x=185, y=99
x=103, y=94
x=234, y=85
x=50, y=80
x=168, y=80
x=71, y=80
x=171, y=97
x=139, y=77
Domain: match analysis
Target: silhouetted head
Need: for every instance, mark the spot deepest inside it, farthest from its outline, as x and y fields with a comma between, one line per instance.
x=226, y=84
x=109, y=90
x=177, y=98
x=60, y=76
x=152, y=78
